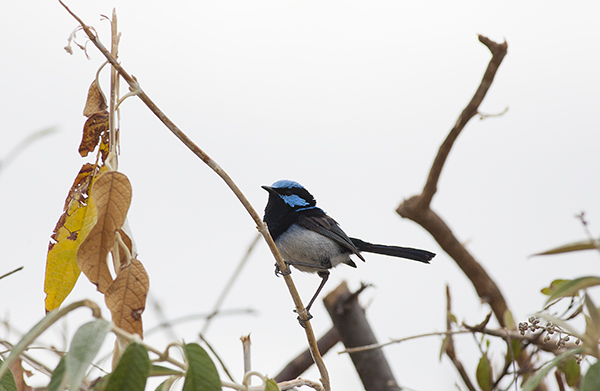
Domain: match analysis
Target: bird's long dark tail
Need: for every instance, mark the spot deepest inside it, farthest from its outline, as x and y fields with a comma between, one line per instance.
x=394, y=251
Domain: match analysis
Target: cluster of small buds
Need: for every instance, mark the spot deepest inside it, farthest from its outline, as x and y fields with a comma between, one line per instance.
x=534, y=324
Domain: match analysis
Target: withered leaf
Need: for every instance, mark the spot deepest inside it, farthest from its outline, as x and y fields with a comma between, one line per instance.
x=93, y=130
x=126, y=297
x=111, y=194
x=95, y=101
x=19, y=374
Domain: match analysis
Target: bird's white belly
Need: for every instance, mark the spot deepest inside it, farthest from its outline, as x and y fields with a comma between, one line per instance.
x=309, y=251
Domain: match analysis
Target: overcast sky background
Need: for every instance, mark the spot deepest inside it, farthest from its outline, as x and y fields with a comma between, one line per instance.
x=350, y=98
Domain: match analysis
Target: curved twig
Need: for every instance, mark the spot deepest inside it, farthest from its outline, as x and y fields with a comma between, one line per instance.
x=262, y=228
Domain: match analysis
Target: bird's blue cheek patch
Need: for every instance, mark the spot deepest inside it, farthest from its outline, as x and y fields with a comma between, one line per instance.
x=294, y=200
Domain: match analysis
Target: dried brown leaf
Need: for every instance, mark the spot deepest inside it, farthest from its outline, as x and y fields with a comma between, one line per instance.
x=93, y=129
x=126, y=297
x=19, y=373
x=95, y=101
x=111, y=194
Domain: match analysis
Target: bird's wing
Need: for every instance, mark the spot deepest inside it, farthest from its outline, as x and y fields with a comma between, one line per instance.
x=328, y=227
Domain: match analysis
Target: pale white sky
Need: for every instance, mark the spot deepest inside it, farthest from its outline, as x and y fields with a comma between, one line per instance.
x=350, y=98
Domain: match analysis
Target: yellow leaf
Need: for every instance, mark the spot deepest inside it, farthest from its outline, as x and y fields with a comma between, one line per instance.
x=61, y=267
x=73, y=226
x=112, y=195
x=126, y=297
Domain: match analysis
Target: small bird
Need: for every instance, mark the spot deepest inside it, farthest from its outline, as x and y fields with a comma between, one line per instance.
x=311, y=241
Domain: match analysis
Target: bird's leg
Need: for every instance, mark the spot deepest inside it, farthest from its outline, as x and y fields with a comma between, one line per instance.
x=278, y=271
x=324, y=277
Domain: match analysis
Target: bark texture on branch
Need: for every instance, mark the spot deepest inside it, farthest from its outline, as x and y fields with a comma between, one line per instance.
x=354, y=330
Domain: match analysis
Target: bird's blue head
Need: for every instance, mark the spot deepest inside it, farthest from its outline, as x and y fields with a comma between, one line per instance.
x=291, y=194
x=287, y=200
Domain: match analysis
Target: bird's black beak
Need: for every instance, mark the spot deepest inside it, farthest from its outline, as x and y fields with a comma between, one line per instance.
x=269, y=189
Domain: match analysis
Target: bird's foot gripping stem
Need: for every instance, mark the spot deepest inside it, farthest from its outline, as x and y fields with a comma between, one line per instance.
x=278, y=271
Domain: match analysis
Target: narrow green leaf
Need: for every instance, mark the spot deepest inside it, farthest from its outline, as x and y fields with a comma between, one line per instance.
x=7, y=381
x=594, y=318
x=58, y=376
x=167, y=384
x=157, y=370
x=484, y=374
x=571, y=370
x=591, y=380
x=548, y=291
x=444, y=346
x=572, y=287
x=132, y=371
x=38, y=329
x=536, y=379
x=271, y=385
x=577, y=246
x=202, y=374
x=86, y=343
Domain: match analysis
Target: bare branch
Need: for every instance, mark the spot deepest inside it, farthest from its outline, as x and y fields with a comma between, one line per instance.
x=498, y=53
x=417, y=208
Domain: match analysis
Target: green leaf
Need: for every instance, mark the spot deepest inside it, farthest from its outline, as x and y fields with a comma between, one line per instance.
x=577, y=246
x=536, y=379
x=572, y=287
x=509, y=321
x=132, y=371
x=595, y=322
x=515, y=346
x=202, y=374
x=571, y=370
x=157, y=370
x=271, y=385
x=100, y=383
x=58, y=376
x=7, y=381
x=35, y=332
x=166, y=385
x=554, y=285
x=484, y=374
x=86, y=343
x=591, y=380
x=444, y=346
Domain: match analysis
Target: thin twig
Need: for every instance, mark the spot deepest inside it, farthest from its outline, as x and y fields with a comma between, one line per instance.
x=187, y=318
x=595, y=242
x=229, y=285
x=27, y=141
x=43, y=325
x=262, y=228
x=213, y=351
x=12, y=272
x=449, y=345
